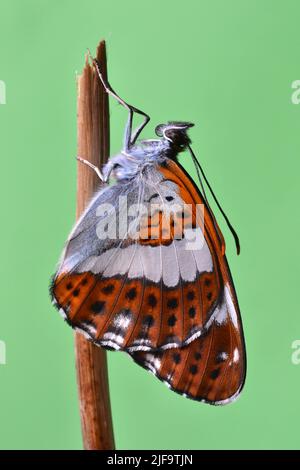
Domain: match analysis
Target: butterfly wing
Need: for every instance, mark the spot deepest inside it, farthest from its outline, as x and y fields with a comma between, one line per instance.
x=140, y=292
x=212, y=367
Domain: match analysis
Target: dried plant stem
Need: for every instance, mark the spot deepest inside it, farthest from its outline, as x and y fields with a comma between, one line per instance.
x=91, y=361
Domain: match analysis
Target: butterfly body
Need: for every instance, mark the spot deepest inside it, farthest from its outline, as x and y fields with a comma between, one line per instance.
x=144, y=271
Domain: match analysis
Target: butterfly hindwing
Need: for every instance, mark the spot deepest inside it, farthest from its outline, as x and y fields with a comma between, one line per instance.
x=212, y=367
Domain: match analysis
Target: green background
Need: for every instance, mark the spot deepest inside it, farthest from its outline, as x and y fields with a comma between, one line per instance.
x=228, y=67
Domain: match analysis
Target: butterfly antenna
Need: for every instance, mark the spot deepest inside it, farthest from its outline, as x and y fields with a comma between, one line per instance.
x=199, y=167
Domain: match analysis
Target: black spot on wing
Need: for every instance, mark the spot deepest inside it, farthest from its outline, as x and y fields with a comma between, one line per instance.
x=172, y=320
x=176, y=358
x=215, y=373
x=152, y=300
x=97, y=306
x=131, y=294
x=191, y=295
x=172, y=303
x=148, y=321
x=193, y=369
x=108, y=289
x=192, y=312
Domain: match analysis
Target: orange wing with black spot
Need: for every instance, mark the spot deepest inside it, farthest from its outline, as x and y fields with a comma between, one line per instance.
x=212, y=367
x=157, y=285
x=153, y=287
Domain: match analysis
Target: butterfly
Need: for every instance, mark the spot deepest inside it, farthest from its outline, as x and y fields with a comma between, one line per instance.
x=144, y=269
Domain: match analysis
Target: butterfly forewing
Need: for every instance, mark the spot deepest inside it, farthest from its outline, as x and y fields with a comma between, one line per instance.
x=140, y=292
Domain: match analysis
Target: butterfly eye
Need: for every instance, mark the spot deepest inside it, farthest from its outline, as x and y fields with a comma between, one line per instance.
x=162, y=129
x=159, y=130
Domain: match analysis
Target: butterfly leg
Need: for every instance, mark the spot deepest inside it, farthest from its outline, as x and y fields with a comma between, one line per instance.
x=130, y=136
x=93, y=167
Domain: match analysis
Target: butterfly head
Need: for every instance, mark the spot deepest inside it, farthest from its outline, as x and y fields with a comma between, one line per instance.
x=175, y=132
